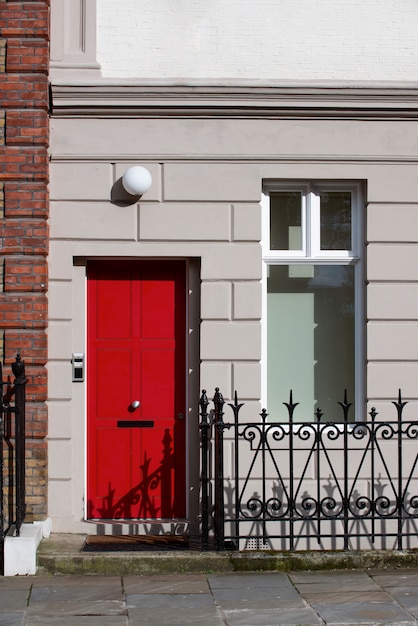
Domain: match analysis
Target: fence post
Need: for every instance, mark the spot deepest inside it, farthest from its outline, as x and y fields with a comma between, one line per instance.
x=219, y=402
x=204, y=427
x=18, y=369
x=1, y=463
x=236, y=409
x=345, y=405
x=400, y=495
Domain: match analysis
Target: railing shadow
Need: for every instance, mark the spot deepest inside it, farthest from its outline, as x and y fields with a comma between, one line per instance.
x=141, y=502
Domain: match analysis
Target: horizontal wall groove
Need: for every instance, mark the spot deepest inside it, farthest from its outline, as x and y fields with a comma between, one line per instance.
x=187, y=159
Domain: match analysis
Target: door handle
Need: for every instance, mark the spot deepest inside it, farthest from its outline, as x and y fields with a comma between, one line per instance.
x=180, y=416
x=134, y=406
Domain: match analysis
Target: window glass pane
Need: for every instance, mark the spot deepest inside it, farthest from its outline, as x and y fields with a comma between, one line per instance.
x=336, y=220
x=310, y=334
x=286, y=220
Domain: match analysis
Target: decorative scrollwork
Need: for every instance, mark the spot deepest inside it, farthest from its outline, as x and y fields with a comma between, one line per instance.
x=276, y=432
x=360, y=431
x=308, y=506
x=306, y=431
x=275, y=509
x=361, y=506
x=385, y=430
x=330, y=431
x=330, y=507
x=384, y=507
x=251, y=432
x=411, y=431
x=411, y=503
x=253, y=508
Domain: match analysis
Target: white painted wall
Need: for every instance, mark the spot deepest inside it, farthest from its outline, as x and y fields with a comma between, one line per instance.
x=258, y=39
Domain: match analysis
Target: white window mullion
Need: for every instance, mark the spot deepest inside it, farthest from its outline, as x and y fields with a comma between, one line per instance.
x=315, y=224
x=305, y=226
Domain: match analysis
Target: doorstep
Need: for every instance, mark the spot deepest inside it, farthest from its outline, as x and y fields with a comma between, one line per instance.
x=62, y=554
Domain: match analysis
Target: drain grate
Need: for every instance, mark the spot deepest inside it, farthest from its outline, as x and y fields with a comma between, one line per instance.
x=256, y=543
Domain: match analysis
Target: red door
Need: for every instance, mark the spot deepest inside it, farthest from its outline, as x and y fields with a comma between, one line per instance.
x=136, y=354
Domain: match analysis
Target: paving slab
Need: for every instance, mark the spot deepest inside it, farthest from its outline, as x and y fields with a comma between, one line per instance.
x=77, y=607
x=206, y=616
x=249, y=581
x=12, y=618
x=181, y=583
x=272, y=617
x=395, y=578
x=363, y=612
x=380, y=623
x=17, y=582
x=353, y=580
x=360, y=586
x=409, y=602
x=325, y=597
x=83, y=594
x=401, y=591
x=96, y=580
x=266, y=598
x=170, y=600
x=79, y=620
x=255, y=592
x=14, y=599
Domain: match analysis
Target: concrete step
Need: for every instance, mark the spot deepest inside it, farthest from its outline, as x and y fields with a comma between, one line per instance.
x=62, y=554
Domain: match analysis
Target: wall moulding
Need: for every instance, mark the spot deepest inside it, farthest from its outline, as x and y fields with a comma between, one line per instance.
x=133, y=99
x=73, y=39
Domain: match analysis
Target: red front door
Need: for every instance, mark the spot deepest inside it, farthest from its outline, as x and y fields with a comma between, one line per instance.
x=136, y=354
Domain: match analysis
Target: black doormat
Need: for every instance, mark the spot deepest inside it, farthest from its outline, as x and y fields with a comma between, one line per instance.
x=134, y=543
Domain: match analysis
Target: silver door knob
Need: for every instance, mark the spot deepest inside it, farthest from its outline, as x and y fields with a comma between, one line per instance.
x=134, y=405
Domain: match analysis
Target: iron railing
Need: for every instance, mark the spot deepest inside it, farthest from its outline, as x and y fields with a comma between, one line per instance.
x=308, y=485
x=12, y=449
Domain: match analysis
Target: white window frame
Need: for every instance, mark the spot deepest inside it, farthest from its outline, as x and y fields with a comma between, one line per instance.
x=312, y=254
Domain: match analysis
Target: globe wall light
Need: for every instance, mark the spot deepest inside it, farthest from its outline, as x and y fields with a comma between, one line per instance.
x=136, y=180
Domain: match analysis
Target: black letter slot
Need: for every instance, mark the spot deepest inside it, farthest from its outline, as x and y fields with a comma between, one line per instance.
x=135, y=424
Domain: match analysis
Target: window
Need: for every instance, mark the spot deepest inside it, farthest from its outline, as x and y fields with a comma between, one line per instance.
x=313, y=297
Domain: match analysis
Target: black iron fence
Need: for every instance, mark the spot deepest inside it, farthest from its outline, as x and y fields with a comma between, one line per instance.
x=12, y=449
x=308, y=485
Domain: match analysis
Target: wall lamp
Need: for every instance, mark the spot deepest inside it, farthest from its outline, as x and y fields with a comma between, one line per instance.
x=136, y=180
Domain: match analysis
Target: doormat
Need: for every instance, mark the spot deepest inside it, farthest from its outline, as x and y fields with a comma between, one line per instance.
x=134, y=543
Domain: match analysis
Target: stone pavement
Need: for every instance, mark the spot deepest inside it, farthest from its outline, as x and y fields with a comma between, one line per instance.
x=233, y=599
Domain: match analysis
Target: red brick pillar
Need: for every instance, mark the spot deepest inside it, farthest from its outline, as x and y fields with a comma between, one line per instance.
x=24, y=132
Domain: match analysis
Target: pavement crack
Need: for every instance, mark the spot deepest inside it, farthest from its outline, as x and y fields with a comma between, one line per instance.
x=29, y=595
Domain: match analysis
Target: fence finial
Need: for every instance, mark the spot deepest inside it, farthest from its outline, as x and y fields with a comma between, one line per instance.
x=18, y=369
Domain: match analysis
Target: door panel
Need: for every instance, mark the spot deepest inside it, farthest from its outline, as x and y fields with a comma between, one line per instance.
x=136, y=351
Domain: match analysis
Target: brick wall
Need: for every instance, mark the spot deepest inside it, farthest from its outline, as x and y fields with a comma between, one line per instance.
x=24, y=45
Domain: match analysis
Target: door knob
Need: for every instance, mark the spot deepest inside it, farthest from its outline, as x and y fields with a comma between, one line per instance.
x=134, y=405
x=180, y=416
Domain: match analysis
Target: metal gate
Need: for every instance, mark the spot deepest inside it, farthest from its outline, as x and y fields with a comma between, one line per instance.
x=319, y=485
